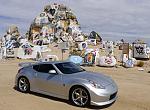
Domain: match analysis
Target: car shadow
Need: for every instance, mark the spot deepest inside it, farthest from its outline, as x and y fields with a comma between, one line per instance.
x=50, y=97
x=64, y=100
x=44, y=96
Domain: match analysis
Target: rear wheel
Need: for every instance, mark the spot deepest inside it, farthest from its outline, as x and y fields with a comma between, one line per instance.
x=80, y=96
x=23, y=85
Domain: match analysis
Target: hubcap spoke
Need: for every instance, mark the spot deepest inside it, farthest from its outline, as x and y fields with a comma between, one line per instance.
x=80, y=92
x=21, y=81
x=24, y=87
x=84, y=97
x=77, y=99
x=77, y=94
x=21, y=85
x=81, y=101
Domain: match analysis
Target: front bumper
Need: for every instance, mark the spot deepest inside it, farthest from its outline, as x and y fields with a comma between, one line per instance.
x=103, y=103
x=101, y=97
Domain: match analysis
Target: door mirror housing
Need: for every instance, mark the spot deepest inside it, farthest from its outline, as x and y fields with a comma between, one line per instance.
x=52, y=72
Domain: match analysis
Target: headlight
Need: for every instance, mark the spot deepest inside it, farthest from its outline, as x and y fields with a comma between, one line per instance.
x=98, y=86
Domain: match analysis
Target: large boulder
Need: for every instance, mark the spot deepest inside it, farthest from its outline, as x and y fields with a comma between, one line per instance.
x=55, y=21
x=107, y=61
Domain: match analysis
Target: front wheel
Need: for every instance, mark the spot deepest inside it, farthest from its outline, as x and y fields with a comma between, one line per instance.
x=80, y=96
x=23, y=85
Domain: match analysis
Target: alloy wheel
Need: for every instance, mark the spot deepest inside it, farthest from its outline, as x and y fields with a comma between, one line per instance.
x=23, y=84
x=80, y=97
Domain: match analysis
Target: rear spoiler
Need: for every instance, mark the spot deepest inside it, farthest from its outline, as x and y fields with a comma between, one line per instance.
x=25, y=64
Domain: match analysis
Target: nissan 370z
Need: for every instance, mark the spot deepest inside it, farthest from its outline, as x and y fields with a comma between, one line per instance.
x=68, y=81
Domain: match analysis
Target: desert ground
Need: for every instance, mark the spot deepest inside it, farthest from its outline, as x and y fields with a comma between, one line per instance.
x=133, y=94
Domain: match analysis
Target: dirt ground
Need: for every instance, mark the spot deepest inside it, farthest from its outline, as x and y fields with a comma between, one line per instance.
x=134, y=90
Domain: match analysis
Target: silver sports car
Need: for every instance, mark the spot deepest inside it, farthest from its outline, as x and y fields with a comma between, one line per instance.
x=68, y=81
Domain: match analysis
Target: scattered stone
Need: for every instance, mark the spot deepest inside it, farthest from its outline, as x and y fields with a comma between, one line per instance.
x=140, y=69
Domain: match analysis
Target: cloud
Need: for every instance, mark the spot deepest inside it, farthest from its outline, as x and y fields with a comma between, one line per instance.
x=108, y=17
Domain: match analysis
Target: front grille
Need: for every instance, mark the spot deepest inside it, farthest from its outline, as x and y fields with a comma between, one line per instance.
x=113, y=96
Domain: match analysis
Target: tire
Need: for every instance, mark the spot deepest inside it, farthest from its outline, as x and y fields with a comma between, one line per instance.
x=23, y=85
x=79, y=96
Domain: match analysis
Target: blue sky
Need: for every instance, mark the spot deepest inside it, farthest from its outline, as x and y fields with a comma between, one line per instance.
x=110, y=18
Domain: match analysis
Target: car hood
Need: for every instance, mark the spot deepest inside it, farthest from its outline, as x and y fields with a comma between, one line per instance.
x=96, y=77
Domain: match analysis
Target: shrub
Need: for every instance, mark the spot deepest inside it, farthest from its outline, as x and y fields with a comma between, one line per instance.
x=140, y=64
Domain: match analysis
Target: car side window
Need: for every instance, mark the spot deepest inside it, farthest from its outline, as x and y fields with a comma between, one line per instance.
x=36, y=67
x=45, y=68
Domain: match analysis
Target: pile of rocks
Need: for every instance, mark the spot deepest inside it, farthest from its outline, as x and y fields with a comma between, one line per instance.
x=56, y=23
x=10, y=39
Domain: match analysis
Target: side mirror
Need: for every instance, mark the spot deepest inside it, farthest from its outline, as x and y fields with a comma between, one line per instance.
x=52, y=72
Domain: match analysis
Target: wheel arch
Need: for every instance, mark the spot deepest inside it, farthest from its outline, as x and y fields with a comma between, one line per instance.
x=78, y=85
x=23, y=77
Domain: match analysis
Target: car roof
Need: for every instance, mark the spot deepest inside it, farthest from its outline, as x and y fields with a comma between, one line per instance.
x=52, y=62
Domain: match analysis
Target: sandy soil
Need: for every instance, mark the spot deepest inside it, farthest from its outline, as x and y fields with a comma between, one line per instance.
x=134, y=89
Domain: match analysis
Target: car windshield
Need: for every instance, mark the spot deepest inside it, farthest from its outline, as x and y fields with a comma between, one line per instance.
x=69, y=68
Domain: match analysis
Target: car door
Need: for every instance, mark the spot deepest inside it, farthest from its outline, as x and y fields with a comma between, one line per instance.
x=46, y=82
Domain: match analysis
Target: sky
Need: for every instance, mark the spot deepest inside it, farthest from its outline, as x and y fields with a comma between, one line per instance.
x=110, y=18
